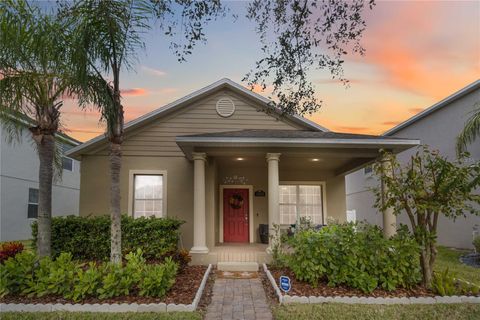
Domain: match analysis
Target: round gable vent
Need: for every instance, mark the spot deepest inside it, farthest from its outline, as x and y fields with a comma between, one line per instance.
x=225, y=107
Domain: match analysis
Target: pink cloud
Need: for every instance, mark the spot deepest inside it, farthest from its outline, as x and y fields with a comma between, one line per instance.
x=134, y=92
x=425, y=47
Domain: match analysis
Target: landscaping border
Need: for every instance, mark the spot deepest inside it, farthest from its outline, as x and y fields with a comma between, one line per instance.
x=107, y=307
x=285, y=298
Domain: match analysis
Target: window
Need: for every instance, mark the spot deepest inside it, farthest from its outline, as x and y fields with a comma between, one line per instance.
x=148, y=195
x=67, y=164
x=301, y=201
x=32, y=212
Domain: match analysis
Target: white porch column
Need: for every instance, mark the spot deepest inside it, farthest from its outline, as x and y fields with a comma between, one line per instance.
x=273, y=191
x=389, y=219
x=199, y=225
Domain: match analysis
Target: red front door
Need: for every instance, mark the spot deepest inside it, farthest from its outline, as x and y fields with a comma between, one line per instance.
x=235, y=215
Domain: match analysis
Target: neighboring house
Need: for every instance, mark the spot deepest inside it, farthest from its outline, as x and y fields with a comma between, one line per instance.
x=438, y=127
x=19, y=184
x=225, y=161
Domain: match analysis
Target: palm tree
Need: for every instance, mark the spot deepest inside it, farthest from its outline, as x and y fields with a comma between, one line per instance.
x=108, y=35
x=471, y=131
x=35, y=76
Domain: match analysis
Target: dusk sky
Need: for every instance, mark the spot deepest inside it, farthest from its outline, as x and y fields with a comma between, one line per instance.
x=417, y=54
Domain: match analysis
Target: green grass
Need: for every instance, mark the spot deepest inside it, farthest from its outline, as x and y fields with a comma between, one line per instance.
x=380, y=312
x=100, y=316
x=448, y=258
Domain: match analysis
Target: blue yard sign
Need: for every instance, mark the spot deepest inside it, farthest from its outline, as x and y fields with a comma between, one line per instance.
x=285, y=284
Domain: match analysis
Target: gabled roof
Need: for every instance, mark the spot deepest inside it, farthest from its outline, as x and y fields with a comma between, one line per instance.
x=173, y=106
x=457, y=95
x=26, y=121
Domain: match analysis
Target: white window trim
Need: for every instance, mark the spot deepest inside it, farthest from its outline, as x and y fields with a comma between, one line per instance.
x=29, y=203
x=131, y=193
x=311, y=183
x=73, y=164
x=250, y=210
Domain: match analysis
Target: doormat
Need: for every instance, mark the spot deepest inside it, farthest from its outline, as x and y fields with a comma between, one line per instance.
x=236, y=274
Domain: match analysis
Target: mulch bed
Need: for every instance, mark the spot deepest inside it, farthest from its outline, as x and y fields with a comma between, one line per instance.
x=183, y=291
x=300, y=288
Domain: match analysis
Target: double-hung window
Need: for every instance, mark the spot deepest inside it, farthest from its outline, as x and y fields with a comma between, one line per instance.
x=297, y=200
x=32, y=211
x=148, y=195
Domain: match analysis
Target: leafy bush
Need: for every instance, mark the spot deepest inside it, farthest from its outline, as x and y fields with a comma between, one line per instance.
x=446, y=284
x=55, y=277
x=158, y=279
x=88, y=238
x=182, y=257
x=443, y=283
x=10, y=249
x=24, y=275
x=17, y=274
x=476, y=244
x=86, y=282
x=356, y=255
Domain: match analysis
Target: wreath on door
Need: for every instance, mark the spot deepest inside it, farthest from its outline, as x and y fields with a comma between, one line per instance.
x=236, y=201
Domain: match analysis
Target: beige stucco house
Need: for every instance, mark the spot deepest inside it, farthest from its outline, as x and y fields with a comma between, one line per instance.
x=225, y=161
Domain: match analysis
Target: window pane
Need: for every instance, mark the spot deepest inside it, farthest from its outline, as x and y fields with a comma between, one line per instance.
x=310, y=203
x=67, y=164
x=288, y=214
x=148, y=196
x=32, y=195
x=32, y=211
x=288, y=194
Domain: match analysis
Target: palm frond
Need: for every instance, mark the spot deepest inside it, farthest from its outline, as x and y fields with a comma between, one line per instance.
x=470, y=132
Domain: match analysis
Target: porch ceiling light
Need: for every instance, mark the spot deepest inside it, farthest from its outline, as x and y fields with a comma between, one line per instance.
x=315, y=160
x=240, y=159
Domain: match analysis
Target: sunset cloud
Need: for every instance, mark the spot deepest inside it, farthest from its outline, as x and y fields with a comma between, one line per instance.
x=134, y=92
x=421, y=48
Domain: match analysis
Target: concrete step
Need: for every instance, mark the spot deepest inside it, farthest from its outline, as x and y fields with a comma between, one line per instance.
x=237, y=266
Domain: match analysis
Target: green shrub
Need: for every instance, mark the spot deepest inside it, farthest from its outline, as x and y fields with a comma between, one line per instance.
x=88, y=238
x=447, y=284
x=55, y=277
x=356, y=255
x=17, y=274
x=86, y=282
x=443, y=283
x=476, y=244
x=158, y=279
x=64, y=277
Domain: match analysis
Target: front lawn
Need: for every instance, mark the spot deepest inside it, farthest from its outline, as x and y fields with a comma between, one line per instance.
x=100, y=316
x=448, y=258
x=380, y=312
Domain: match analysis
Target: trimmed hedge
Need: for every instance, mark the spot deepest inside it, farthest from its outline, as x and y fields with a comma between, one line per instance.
x=88, y=238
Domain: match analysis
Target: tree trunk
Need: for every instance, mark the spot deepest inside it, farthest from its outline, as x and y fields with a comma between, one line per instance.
x=46, y=153
x=426, y=270
x=115, y=214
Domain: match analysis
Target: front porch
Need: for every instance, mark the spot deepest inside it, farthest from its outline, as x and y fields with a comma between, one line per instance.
x=234, y=253
x=247, y=178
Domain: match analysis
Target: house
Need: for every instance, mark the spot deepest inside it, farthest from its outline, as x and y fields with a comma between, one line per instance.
x=225, y=161
x=19, y=183
x=438, y=127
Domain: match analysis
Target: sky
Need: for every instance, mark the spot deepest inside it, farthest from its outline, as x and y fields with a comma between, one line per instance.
x=417, y=53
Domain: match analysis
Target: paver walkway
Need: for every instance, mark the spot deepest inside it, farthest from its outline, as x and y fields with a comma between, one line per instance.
x=238, y=299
